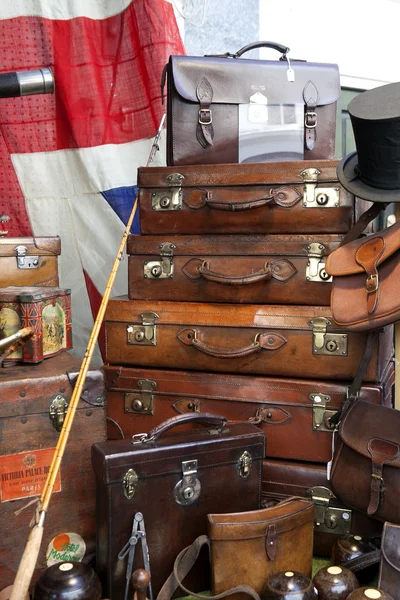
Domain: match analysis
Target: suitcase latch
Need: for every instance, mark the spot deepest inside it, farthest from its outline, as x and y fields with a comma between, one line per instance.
x=327, y=343
x=142, y=401
x=321, y=416
x=129, y=483
x=163, y=268
x=171, y=199
x=329, y=519
x=315, y=270
x=187, y=490
x=318, y=197
x=23, y=261
x=57, y=412
x=244, y=464
x=145, y=334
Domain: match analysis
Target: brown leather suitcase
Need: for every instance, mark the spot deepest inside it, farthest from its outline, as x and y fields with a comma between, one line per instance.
x=280, y=341
x=283, y=478
x=32, y=407
x=231, y=268
x=29, y=261
x=289, y=197
x=293, y=413
x=174, y=480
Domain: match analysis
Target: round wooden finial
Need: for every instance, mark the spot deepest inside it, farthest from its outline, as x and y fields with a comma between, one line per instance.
x=140, y=583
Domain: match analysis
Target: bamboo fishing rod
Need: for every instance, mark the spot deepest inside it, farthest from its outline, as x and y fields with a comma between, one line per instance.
x=32, y=547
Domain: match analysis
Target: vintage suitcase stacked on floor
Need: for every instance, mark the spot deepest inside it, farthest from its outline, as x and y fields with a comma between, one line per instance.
x=228, y=312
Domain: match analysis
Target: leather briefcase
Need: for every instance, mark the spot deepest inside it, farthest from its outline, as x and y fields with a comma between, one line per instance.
x=366, y=281
x=204, y=123
x=293, y=413
x=333, y=519
x=289, y=197
x=253, y=269
x=29, y=261
x=281, y=341
x=389, y=572
x=366, y=464
x=174, y=480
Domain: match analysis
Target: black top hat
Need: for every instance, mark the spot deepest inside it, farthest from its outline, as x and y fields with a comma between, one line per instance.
x=373, y=171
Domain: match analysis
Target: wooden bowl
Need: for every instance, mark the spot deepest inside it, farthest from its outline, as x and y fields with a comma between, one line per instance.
x=334, y=583
x=68, y=580
x=289, y=585
x=369, y=593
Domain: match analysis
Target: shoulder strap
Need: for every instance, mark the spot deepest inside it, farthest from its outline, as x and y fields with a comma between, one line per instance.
x=362, y=222
x=362, y=562
x=183, y=563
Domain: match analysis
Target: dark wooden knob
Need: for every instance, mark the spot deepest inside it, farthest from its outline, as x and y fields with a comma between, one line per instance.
x=369, y=593
x=289, y=585
x=335, y=583
x=140, y=583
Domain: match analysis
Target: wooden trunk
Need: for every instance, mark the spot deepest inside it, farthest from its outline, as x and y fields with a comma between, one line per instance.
x=29, y=261
x=28, y=439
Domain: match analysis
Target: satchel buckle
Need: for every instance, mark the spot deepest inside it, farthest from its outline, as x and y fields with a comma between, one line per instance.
x=205, y=116
x=372, y=283
x=310, y=116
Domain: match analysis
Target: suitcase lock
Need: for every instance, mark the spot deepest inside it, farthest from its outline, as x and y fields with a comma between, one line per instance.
x=315, y=270
x=329, y=519
x=163, y=268
x=325, y=342
x=57, y=412
x=145, y=334
x=23, y=261
x=321, y=415
x=141, y=401
x=187, y=490
x=318, y=197
x=171, y=199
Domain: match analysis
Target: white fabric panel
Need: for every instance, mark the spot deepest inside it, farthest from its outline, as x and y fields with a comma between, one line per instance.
x=63, y=9
x=62, y=196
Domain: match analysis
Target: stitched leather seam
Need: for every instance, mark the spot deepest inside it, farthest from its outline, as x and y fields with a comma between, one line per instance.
x=373, y=319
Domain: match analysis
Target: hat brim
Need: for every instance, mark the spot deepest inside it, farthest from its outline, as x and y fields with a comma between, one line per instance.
x=348, y=177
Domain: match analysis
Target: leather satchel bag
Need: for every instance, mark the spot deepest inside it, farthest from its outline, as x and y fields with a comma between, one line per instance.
x=389, y=572
x=204, y=94
x=247, y=548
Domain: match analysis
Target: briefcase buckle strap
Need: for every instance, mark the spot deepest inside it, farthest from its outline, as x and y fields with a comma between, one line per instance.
x=205, y=116
x=310, y=119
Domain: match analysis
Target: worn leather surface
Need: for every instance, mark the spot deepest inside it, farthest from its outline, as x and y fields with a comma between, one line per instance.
x=226, y=268
x=46, y=248
x=284, y=478
x=233, y=82
x=389, y=572
x=277, y=539
x=281, y=408
x=268, y=197
x=169, y=526
x=368, y=455
x=366, y=288
x=229, y=328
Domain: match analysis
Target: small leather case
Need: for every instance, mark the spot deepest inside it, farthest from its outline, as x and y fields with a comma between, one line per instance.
x=389, y=572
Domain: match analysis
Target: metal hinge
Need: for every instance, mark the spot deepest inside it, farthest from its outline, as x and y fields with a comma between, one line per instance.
x=23, y=261
x=171, y=199
x=321, y=416
x=329, y=519
x=327, y=343
x=187, y=490
x=57, y=412
x=129, y=483
x=142, y=401
x=315, y=270
x=145, y=334
x=163, y=268
x=244, y=464
x=314, y=197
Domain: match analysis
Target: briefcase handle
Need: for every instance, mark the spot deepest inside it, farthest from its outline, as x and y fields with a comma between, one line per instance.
x=274, y=45
x=206, y=419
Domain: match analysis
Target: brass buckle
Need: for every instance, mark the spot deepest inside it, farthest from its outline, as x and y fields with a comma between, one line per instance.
x=372, y=283
x=309, y=115
x=205, y=113
x=377, y=477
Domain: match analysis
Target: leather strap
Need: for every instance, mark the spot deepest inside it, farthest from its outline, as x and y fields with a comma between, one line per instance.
x=183, y=564
x=205, y=129
x=362, y=223
x=377, y=488
x=362, y=562
x=310, y=96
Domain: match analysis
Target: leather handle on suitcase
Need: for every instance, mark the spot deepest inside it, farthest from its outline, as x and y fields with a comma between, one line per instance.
x=274, y=45
x=262, y=341
x=206, y=419
x=262, y=275
x=238, y=206
x=286, y=197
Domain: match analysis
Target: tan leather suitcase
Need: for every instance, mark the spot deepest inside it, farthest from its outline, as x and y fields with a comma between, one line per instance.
x=285, y=197
x=275, y=269
x=293, y=413
x=29, y=261
x=284, y=478
x=280, y=341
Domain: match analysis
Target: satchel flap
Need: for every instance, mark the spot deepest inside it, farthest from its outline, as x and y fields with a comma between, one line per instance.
x=391, y=545
x=373, y=431
x=234, y=81
x=350, y=258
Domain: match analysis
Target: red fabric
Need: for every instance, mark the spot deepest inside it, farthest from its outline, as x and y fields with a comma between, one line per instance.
x=107, y=75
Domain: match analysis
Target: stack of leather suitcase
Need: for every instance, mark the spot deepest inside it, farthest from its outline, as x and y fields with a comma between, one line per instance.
x=228, y=313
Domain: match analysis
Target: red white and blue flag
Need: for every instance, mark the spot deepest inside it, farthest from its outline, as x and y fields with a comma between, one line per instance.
x=68, y=161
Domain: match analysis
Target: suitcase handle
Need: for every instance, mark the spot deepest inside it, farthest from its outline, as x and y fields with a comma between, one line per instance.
x=262, y=275
x=262, y=341
x=206, y=419
x=283, y=196
x=274, y=45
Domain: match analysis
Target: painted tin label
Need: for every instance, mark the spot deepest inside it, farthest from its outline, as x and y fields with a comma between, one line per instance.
x=65, y=547
x=23, y=475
